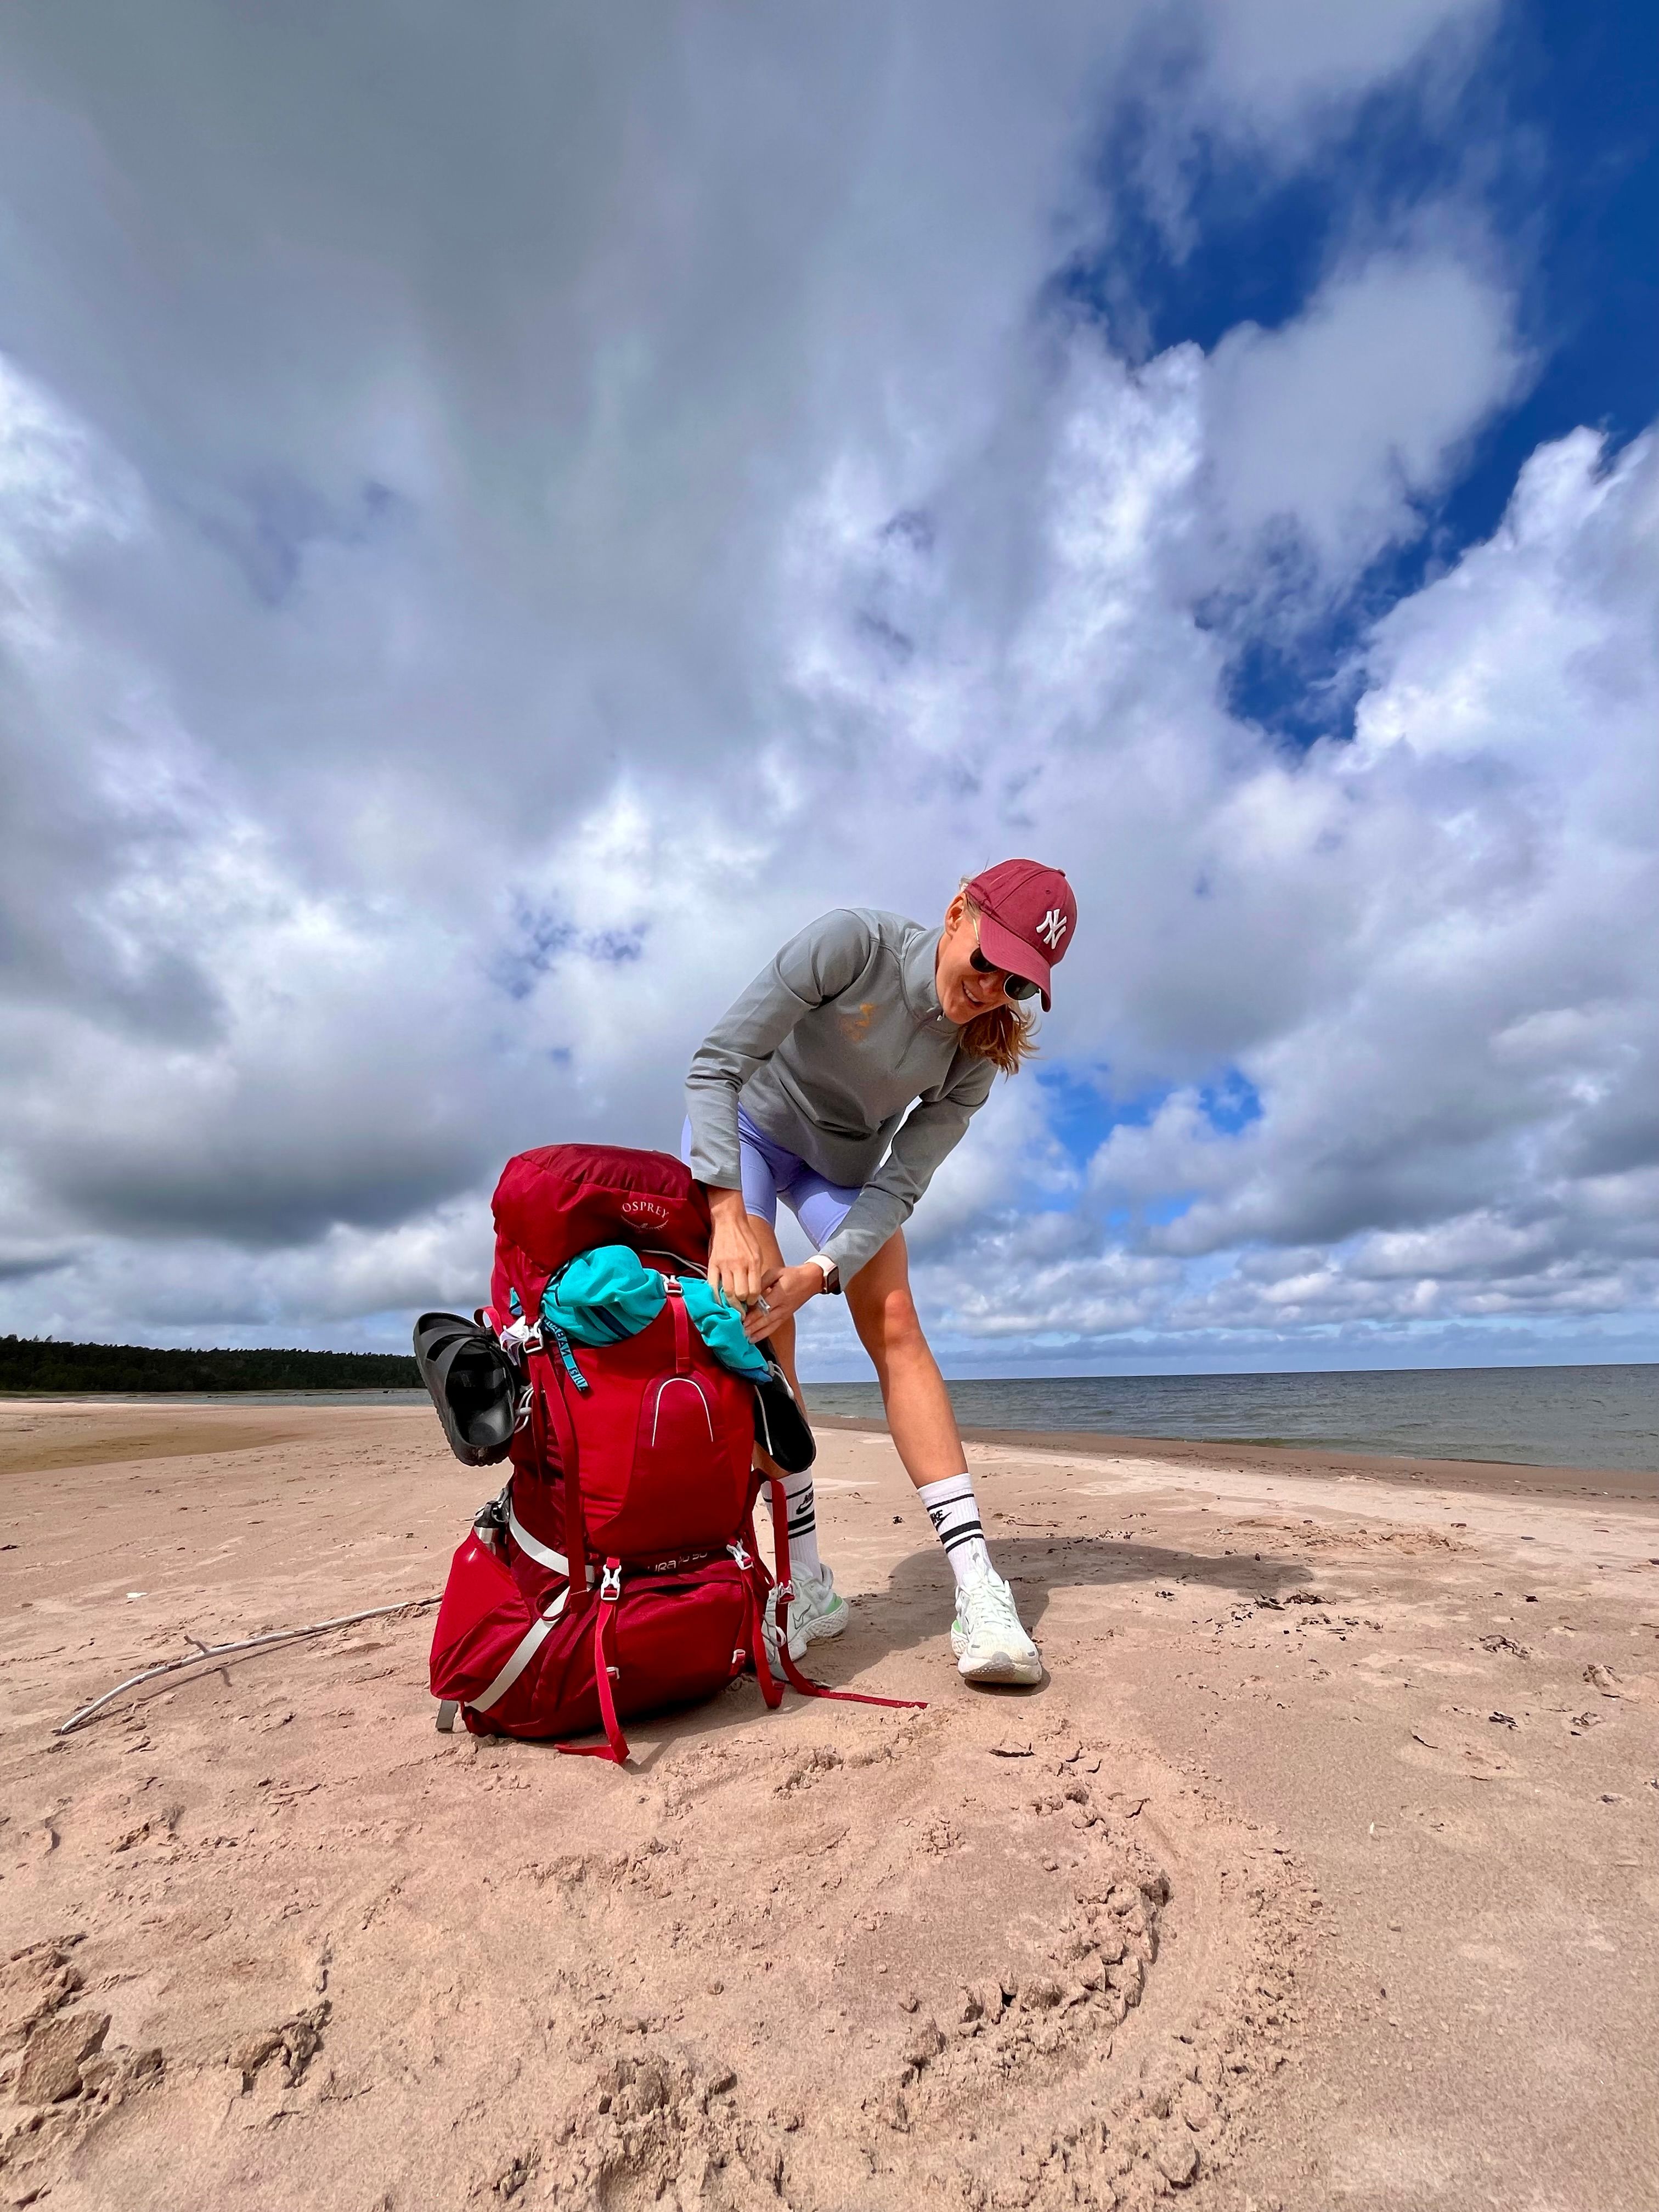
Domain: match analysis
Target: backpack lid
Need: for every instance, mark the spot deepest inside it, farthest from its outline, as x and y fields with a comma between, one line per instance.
x=564, y=1198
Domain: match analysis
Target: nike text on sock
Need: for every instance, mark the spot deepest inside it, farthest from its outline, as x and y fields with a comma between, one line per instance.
x=803, y=1525
x=954, y=1511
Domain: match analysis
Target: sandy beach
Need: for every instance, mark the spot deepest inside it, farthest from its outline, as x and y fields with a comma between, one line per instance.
x=1323, y=1871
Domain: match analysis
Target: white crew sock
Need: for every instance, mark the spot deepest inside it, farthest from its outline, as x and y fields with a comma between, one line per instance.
x=803, y=1526
x=954, y=1511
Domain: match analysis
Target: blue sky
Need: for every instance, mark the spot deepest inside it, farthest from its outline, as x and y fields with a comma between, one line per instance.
x=499, y=528
x=1554, y=137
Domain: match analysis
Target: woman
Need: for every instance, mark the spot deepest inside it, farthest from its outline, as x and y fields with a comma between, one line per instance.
x=839, y=1081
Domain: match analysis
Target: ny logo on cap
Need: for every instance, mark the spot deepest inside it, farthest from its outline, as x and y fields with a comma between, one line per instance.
x=1053, y=925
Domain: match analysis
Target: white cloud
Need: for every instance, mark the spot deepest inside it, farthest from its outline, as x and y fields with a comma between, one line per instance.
x=1270, y=58
x=535, y=569
x=1459, y=1122
x=1341, y=423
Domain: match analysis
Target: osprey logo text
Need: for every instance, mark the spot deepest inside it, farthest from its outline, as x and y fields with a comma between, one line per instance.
x=1053, y=925
x=651, y=1210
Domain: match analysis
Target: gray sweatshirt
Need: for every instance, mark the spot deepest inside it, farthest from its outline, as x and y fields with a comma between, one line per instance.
x=827, y=1049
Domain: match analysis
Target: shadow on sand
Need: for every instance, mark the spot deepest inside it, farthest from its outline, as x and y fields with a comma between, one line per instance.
x=915, y=1606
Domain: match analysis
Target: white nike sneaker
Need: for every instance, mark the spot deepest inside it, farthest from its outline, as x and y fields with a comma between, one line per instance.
x=987, y=1638
x=816, y=1613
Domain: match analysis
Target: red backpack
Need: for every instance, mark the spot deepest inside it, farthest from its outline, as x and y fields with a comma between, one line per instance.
x=617, y=1573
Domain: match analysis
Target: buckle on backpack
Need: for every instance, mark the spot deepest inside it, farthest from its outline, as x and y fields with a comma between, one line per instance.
x=610, y=1582
x=741, y=1555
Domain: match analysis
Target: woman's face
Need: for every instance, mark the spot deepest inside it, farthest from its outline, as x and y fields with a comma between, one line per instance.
x=964, y=991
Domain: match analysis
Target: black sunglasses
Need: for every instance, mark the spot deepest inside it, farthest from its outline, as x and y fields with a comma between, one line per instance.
x=1013, y=987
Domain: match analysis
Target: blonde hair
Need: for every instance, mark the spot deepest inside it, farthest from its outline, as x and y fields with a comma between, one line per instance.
x=1006, y=1036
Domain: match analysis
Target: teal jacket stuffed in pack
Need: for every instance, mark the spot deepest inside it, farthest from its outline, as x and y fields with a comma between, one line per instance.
x=610, y=1293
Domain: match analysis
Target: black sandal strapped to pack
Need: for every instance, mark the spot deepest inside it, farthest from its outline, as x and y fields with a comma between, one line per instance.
x=474, y=1386
x=780, y=1428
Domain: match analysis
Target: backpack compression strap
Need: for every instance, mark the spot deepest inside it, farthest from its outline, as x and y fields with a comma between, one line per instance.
x=518, y=1659
x=754, y=1579
x=615, y=1746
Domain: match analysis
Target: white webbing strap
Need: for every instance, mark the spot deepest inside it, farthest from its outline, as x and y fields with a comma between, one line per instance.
x=544, y=1554
x=522, y=1336
x=525, y=1650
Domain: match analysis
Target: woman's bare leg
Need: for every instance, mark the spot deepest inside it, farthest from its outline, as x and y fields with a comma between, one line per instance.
x=920, y=1415
x=990, y=1644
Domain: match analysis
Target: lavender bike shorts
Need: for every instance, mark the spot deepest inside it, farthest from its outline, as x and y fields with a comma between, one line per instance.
x=770, y=1172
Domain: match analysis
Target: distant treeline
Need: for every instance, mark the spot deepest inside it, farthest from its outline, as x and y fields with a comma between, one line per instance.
x=40, y=1363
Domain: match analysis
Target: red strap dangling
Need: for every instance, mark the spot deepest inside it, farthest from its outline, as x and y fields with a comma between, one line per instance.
x=614, y=1736
x=770, y=1688
x=615, y=1746
x=779, y=1505
x=810, y=1689
x=780, y=1596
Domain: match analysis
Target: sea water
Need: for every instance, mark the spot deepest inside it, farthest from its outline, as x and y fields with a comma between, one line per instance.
x=1590, y=1417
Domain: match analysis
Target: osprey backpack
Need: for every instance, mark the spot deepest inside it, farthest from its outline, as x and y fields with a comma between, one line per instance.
x=617, y=1573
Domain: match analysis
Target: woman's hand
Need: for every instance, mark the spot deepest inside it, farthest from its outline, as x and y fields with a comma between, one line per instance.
x=783, y=1293
x=736, y=1262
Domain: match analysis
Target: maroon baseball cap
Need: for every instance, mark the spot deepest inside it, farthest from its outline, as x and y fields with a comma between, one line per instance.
x=1028, y=918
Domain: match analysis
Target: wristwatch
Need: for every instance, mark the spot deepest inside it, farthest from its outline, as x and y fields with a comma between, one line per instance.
x=831, y=1273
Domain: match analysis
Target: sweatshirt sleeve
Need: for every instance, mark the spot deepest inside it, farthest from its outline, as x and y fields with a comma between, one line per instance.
x=931, y=1130
x=820, y=963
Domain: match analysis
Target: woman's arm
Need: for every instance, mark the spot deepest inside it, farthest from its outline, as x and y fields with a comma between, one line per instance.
x=819, y=962
x=736, y=1263
x=928, y=1133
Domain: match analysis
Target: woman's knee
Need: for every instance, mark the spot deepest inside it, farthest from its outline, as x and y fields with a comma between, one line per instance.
x=767, y=1237
x=889, y=1325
